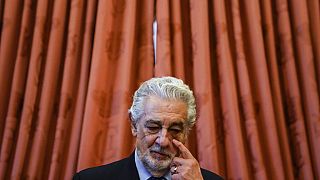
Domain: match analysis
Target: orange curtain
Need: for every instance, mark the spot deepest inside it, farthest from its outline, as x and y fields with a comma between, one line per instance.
x=68, y=70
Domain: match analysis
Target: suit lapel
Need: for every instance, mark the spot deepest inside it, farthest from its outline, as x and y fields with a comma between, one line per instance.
x=130, y=171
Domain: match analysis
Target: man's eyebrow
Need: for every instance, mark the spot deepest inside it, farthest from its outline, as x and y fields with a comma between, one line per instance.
x=153, y=121
x=180, y=123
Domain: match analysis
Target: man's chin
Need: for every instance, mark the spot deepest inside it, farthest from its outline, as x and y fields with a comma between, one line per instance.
x=158, y=164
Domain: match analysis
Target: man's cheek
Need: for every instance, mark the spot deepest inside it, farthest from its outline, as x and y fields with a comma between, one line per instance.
x=150, y=140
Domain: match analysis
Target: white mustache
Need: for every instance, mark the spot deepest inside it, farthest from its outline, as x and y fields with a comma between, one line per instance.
x=158, y=149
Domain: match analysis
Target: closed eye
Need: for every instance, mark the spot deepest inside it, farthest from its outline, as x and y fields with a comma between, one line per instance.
x=153, y=129
x=175, y=130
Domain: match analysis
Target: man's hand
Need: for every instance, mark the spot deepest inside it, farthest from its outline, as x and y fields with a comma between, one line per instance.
x=186, y=166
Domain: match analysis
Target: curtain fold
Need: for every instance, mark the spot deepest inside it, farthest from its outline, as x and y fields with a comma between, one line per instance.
x=307, y=78
x=70, y=165
x=69, y=88
x=203, y=88
x=247, y=111
x=268, y=25
x=262, y=90
x=10, y=30
x=33, y=88
x=68, y=70
x=294, y=107
x=230, y=113
x=113, y=79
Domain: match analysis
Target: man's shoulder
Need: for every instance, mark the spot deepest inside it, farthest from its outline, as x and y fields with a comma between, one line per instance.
x=208, y=175
x=108, y=170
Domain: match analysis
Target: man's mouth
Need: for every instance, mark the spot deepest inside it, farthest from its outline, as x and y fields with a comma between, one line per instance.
x=159, y=155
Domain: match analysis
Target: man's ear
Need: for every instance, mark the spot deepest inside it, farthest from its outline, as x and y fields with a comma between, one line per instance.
x=133, y=129
x=133, y=126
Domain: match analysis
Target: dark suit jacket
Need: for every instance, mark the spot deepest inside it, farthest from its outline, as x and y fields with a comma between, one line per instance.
x=124, y=169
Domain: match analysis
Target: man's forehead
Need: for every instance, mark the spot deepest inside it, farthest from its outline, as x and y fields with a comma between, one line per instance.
x=155, y=104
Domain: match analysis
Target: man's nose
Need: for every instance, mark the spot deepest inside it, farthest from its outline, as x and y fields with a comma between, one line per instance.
x=163, y=138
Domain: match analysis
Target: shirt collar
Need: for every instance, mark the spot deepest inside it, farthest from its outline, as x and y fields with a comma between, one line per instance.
x=143, y=172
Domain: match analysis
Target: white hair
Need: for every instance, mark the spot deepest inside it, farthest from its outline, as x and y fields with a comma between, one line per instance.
x=166, y=88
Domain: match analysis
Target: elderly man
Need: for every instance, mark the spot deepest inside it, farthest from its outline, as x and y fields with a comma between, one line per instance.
x=162, y=113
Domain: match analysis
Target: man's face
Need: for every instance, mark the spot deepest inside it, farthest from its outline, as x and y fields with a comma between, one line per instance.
x=163, y=121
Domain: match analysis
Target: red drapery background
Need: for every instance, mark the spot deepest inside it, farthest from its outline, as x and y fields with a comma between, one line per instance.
x=68, y=70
